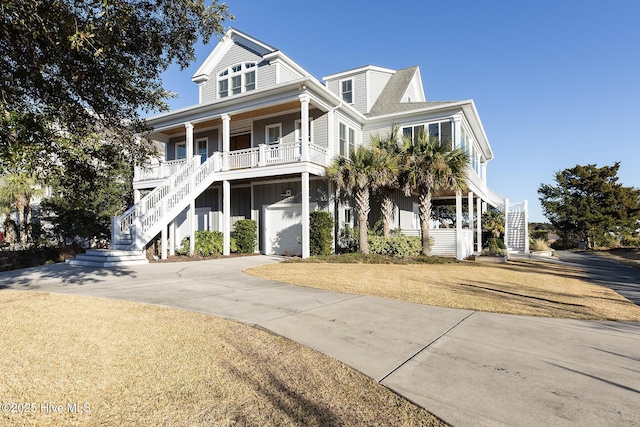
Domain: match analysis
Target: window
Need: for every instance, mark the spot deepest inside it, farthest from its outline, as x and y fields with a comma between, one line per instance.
x=202, y=146
x=273, y=133
x=346, y=91
x=439, y=130
x=347, y=139
x=242, y=78
x=298, y=130
x=181, y=150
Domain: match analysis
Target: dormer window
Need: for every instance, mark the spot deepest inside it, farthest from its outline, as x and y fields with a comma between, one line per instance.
x=241, y=78
x=346, y=91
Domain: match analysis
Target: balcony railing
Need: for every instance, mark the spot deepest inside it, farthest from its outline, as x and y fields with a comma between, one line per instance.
x=261, y=156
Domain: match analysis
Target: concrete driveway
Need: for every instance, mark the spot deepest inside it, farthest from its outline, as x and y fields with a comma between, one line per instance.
x=468, y=368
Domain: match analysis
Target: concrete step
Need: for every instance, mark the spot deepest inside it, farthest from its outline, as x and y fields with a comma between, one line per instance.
x=108, y=258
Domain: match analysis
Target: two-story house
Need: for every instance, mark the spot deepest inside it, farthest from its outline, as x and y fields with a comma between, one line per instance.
x=257, y=143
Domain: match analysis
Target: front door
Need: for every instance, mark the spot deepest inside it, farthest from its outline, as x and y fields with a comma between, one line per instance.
x=240, y=142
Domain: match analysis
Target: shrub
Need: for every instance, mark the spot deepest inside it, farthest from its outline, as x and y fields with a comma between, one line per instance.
x=320, y=232
x=538, y=245
x=208, y=243
x=497, y=241
x=397, y=246
x=630, y=241
x=347, y=240
x=493, y=248
x=244, y=232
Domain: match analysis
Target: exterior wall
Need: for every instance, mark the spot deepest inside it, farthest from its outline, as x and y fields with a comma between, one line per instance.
x=211, y=135
x=287, y=74
x=341, y=118
x=359, y=89
x=377, y=82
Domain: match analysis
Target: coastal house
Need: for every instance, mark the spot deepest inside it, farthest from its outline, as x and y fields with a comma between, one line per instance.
x=257, y=144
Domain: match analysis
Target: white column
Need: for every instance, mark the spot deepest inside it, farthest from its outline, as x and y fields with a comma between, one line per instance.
x=226, y=217
x=479, y=224
x=457, y=131
x=136, y=196
x=459, y=225
x=172, y=238
x=191, y=216
x=470, y=209
x=163, y=243
x=225, y=141
x=506, y=223
x=189, y=139
x=483, y=167
x=304, y=125
x=306, y=248
x=526, y=227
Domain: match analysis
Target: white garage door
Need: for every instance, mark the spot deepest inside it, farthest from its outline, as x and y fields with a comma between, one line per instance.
x=282, y=228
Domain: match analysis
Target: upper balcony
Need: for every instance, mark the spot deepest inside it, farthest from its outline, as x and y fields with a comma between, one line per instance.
x=257, y=157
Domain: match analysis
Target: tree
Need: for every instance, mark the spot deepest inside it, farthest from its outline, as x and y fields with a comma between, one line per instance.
x=587, y=203
x=429, y=166
x=493, y=221
x=388, y=152
x=16, y=192
x=354, y=175
x=74, y=68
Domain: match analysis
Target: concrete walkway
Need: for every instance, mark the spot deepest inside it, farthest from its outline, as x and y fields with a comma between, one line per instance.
x=468, y=368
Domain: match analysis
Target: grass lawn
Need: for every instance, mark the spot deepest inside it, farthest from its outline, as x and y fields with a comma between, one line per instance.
x=134, y=364
x=521, y=287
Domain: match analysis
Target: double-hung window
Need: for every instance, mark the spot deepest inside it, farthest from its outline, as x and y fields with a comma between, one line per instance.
x=202, y=148
x=241, y=77
x=347, y=139
x=181, y=150
x=346, y=91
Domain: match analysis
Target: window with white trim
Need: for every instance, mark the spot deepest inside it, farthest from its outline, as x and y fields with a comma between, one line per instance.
x=273, y=133
x=440, y=130
x=347, y=139
x=202, y=148
x=181, y=150
x=298, y=130
x=237, y=79
x=346, y=91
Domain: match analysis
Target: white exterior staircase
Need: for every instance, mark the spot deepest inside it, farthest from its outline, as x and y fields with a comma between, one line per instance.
x=516, y=227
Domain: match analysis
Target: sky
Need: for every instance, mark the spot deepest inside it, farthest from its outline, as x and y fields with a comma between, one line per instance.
x=556, y=83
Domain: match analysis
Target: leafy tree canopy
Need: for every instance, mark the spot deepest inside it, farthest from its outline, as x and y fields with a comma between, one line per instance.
x=76, y=65
x=587, y=203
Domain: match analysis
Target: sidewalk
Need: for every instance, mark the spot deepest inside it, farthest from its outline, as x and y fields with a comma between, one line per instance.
x=468, y=368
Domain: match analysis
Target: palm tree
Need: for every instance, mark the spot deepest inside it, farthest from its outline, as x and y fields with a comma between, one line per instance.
x=388, y=152
x=354, y=175
x=493, y=221
x=429, y=166
x=17, y=190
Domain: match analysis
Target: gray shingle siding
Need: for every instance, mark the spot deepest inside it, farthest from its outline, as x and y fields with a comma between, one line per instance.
x=288, y=74
x=377, y=82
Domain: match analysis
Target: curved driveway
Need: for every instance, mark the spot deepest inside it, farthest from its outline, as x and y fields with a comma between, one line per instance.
x=469, y=368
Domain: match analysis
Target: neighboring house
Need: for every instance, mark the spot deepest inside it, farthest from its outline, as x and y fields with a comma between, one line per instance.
x=257, y=144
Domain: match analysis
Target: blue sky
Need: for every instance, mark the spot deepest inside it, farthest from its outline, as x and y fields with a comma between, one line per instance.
x=556, y=83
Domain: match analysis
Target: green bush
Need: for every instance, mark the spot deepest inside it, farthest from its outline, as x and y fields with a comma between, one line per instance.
x=347, y=240
x=208, y=243
x=397, y=246
x=320, y=232
x=244, y=231
x=539, y=235
x=630, y=241
x=494, y=248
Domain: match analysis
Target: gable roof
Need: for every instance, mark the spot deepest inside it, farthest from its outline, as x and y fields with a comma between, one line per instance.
x=232, y=36
x=390, y=99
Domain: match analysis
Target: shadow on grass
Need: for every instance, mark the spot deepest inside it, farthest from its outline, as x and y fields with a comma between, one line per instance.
x=60, y=274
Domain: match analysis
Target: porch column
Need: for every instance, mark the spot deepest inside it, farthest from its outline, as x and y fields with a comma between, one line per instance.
x=191, y=215
x=226, y=217
x=479, y=224
x=225, y=141
x=304, y=125
x=189, y=139
x=136, y=196
x=459, y=225
x=506, y=223
x=457, y=131
x=172, y=238
x=163, y=243
x=306, y=249
x=470, y=209
x=483, y=168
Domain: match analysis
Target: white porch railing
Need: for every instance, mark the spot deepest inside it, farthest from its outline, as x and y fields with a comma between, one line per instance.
x=263, y=155
x=160, y=170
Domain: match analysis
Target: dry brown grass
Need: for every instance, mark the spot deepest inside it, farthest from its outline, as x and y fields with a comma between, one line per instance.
x=519, y=287
x=139, y=364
